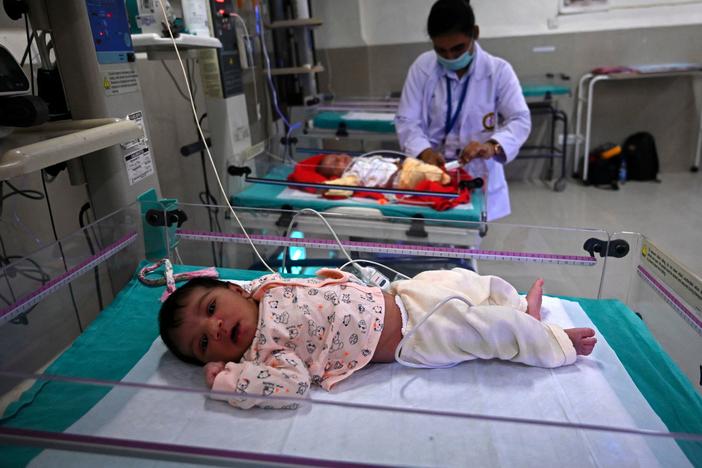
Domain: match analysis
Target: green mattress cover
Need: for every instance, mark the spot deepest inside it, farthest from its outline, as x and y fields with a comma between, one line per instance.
x=534, y=90
x=331, y=120
x=261, y=195
x=125, y=330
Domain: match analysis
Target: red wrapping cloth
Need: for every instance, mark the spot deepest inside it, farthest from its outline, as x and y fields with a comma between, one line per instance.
x=439, y=203
x=305, y=171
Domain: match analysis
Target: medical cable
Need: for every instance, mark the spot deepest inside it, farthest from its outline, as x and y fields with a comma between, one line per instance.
x=382, y=152
x=363, y=260
x=207, y=149
x=269, y=75
x=16, y=220
x=330, y=90
x=180, y=259
x=375, y=277
x=367, y=274
x=331, y=231
x=274, y=94
x=409, y=335
x=17, y=269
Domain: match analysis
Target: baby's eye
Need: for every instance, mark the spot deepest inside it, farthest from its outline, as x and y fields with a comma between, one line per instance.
x=211, y=308
x=203, y=343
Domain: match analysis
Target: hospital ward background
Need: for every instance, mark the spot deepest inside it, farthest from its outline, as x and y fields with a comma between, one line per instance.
x=134, y=132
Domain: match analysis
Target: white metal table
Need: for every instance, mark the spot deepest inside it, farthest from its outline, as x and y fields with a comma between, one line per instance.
x=590, y=80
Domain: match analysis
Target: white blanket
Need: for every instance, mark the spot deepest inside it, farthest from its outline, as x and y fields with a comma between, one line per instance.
x=595, y=390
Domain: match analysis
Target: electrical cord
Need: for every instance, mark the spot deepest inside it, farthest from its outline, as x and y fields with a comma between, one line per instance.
x=398, y=349
x=180, y=259
x=362, y=260
x=289, y=128
x=367, y=274
x=173, y=79
x=331, y=231
x=29, y=49
x=209, y=154
x=35, y=273
x=96, y=271
x=27, y=193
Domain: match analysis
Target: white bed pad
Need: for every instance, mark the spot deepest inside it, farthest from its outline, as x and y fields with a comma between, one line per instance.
x=595, y=390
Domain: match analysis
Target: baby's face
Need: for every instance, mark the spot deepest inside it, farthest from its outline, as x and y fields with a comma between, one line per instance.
x=219, y=324
x=335, y=164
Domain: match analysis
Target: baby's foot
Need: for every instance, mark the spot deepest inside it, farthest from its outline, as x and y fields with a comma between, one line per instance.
x=583, y=339
x=533, y=299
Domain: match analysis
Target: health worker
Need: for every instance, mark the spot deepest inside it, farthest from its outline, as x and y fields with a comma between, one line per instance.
x=461, y=103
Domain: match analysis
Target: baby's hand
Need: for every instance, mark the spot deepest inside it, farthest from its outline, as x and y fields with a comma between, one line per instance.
x=211, y=371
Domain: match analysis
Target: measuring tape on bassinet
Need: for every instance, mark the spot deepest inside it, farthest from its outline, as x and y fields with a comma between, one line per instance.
x=397, y=249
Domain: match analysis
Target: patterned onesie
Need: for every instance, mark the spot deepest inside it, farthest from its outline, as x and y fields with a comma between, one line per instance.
x=316, y=331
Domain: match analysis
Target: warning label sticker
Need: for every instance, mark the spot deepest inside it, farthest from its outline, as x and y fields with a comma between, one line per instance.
x=137, y=117
x=121, y=81
x=139, y=164
x=685, y=283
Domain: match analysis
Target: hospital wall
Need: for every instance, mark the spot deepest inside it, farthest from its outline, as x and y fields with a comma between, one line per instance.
x=368, y=47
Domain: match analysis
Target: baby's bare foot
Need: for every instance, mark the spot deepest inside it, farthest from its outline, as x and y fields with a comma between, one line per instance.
x=533, y=299
x=583, y=339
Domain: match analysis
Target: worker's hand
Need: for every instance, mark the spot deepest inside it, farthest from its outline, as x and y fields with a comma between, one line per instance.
x=211, y=371
x=475, y=150
x=430, y=156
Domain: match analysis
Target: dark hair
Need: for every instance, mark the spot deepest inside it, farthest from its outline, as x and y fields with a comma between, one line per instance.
x=451, y=16
x=170, y=317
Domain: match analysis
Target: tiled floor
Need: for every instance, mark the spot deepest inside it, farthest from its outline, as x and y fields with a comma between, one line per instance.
x=669, y=213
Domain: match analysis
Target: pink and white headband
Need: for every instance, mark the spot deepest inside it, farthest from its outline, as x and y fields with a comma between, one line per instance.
x=169, y=279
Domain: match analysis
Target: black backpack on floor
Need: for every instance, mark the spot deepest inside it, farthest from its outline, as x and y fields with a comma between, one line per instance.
x=641, y=157
x=604, y=163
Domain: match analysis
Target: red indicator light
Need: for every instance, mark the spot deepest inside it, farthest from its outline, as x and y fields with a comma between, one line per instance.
x=219, y=1
x=109, y=15
x=222, y=11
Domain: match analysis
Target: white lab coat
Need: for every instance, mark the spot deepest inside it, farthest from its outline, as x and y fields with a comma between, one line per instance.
x=493, y=90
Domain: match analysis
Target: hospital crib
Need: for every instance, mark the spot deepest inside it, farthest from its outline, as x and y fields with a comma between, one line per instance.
x=87, y=382
x=263, y=184
x=370, y=123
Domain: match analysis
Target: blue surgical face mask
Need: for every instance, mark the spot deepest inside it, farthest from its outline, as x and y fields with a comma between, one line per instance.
x=456, y=64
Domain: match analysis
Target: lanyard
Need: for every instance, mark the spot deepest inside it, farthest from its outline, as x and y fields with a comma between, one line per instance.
x=451, y=119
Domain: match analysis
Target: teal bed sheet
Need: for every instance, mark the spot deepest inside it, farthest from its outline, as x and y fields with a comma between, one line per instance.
x=541, y=90
x=330, y=120
x=260, y=195
x=125, y=330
